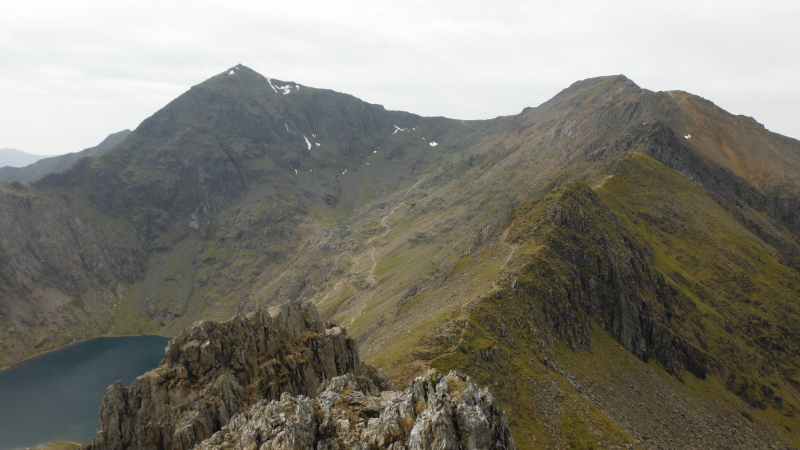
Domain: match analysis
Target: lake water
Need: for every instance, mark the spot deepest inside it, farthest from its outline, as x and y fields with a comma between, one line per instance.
x=56, y=396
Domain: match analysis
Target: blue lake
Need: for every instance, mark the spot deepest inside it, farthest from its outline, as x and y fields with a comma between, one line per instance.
x=56, y=396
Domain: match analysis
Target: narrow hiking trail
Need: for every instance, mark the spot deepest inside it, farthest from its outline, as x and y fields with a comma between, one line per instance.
x=479, y=131
x=370, y=243
x=512, y=248
x=387, y=228
x=357, y=261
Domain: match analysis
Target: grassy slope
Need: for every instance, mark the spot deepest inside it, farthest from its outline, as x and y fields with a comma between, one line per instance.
x=747, y=302
x=741, y=312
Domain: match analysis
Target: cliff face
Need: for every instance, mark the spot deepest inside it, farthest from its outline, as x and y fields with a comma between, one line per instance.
x=213, y=371
x=225, y=379
x=590, y=266
x=60, y=270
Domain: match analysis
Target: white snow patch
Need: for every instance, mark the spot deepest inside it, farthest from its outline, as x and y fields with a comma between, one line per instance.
x=308, y=143
x=295, y=171
x=433, y=144
x=274, y=89
x=287, y=126
x=688, y=136
x=316, y=143
x=374, y=151
x=396, y=129
x=345, y=171
x=297, y=86
x=313, y=135
x=367, y=163
x=286, y=89
x=231, y=72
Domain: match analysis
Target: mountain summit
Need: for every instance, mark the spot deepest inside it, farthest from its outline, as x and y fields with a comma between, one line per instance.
x=620, y=266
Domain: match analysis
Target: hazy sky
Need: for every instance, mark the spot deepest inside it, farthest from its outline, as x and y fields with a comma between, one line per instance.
x=71, y=72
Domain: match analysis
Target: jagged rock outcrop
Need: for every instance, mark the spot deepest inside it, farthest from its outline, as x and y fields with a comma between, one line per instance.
x=434, y=412
x=212, y=371
x=252, y=382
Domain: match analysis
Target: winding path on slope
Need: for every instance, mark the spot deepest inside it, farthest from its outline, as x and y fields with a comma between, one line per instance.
x=370, y=243
x=512, y=248
x=387, y=228
x=503, y=240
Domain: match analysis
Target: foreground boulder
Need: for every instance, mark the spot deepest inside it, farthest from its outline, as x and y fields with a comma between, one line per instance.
x=434, y=412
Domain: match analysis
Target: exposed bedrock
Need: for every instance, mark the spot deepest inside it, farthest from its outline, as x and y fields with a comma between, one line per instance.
x=280, y=379
x=213, y=371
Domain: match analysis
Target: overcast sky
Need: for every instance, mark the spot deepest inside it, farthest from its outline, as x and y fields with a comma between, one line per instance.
x=72, y=72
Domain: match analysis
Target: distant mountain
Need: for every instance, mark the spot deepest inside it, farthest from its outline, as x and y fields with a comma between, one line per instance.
x=17, y=158
x=44, y=165
x=620, y=267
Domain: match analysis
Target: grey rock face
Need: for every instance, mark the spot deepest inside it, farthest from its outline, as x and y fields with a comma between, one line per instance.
x=351, y=412
x=593, y=269
x=213, y=371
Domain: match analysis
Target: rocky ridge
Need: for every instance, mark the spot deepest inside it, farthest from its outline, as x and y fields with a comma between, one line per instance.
x=253, y=378
x=610, y=279
x=435, y=411
x=213, y=370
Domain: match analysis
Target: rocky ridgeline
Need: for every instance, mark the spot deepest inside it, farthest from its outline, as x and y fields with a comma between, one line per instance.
x=434, y=412
x=213, y=371
x=253, y=378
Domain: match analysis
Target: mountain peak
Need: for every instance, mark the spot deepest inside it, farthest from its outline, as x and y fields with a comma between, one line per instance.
x=594, y=87
x=241, y=76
